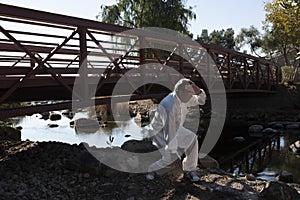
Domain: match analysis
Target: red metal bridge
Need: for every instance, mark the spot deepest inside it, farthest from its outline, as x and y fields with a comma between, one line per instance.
x=41, y=54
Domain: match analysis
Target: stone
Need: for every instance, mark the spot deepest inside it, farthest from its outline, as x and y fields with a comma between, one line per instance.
x=137, y=146
x=55, y=117
x=270, y=131
x=277, y=126
x=84, y=125
x=68, y=114
x=250, y=177
x=209, y=162
x=278, y=191
x=10, y=133
x=45, y=115
x=239, y=139
x=255, y=128
x=52, y=125
x=292, y=127
x=285, y=176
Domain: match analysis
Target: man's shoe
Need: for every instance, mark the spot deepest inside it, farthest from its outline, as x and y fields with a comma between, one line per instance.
x=192, y=176
x=150, y=176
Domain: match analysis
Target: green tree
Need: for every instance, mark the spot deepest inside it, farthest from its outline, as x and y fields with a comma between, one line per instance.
x=222, y=38
x=250, y=36
x=283, y=24
x=171, y=14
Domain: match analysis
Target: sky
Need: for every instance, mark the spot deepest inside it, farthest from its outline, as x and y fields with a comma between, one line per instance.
x=211, y=14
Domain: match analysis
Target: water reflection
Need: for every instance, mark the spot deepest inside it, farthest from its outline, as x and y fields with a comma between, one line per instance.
x=271, y=162
x=114, y=134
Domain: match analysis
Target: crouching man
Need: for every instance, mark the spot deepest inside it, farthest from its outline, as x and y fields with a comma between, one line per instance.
x=168, y=132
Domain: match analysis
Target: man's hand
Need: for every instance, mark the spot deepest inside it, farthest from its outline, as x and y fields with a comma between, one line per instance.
x=193, y=88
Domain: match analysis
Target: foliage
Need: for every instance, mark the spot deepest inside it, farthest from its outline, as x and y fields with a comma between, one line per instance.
x=251, y=37
x=288, y=74
x=282, y=23
x=222, y=38
x=171, y=14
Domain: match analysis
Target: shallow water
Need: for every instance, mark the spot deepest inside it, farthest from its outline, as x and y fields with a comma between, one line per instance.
x=283, y=160
x=274, y=163
x=35, y=128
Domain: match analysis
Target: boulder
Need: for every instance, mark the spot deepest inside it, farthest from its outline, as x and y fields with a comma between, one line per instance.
x=285, y=176
x=255, y=130
x=45, y=115
x=84, y=125
x=277, y=126
x=292, y=127
x=10, y=133
x=54, y=117
x=209, y=162
x=137, y=146
x=270, y=131
x=68, y=114
x=239, y=139
x=278, y=191
x=250, y=177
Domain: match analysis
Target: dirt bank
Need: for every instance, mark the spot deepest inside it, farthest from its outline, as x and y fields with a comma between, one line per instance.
x=50, y=170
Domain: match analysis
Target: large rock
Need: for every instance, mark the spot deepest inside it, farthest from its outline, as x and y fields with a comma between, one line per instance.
x=55, y=117
x=269, y=131
x=239, y=139
x=84, y=125
x=279, y=191
x=255, y=130
x=292, y=127
x=137, y=146
x=285, y=176
x=10, y=133
x=209, y=162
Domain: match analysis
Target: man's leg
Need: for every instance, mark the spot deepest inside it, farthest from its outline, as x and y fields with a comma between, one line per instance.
x=166, y=160
x=189, y=142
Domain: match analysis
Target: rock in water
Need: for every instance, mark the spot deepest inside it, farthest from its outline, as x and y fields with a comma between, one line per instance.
x=84, y=125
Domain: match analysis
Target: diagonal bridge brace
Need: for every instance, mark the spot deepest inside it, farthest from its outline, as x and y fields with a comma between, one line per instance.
x=116, y=63
x=41, y=64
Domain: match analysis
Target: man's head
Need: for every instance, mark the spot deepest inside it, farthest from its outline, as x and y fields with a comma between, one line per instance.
x=184, y=90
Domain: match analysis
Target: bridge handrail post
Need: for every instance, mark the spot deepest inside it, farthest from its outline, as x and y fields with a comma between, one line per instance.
x=82, y=31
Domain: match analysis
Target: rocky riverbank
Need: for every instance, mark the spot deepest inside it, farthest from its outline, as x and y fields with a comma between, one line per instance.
x=51, y=170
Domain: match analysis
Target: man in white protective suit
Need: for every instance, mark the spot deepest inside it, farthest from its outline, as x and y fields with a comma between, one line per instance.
x=168, y=132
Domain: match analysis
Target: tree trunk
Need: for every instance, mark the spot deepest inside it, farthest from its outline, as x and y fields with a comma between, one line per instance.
x=285, y=55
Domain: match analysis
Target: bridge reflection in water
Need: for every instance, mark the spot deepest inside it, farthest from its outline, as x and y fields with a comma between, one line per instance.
x=41, y=54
